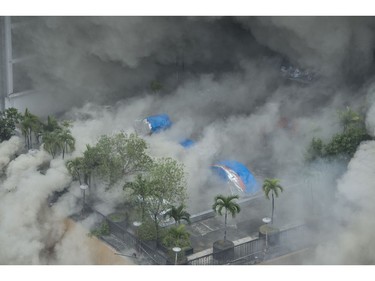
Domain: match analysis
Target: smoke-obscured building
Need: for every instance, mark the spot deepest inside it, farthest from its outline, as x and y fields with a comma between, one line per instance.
x=14, y=80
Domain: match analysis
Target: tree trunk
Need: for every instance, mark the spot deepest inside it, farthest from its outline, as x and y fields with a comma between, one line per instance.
x=273, y=207
x=225, y=225
x=143, y=210
x=312, y=199
x=79, y=178
x=65, y=149
x=157, y=230
x=31, y=140
x=86, y=179
x=27, y=141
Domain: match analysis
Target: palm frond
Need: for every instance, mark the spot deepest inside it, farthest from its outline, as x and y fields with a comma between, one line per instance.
x=275, y=192
x=220, y=210
x=272, y=185
x=223, y=202
x=266, y=192
x=234, y=209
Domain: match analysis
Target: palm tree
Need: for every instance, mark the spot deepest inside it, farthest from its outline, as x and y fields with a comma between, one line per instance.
x=178, y=214
x=51, y=125
x=67, y=141
x=272, y=185
x=52, y=142
x=75, y=168
x=229, y=206
x=30, y=123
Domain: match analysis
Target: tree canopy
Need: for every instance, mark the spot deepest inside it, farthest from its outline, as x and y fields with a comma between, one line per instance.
x=57, y=138
x=77, y=169
x=272, y=186
x=349, y=119
x=177, y=236
x=30, y=125
x=343, y=144
x=115, y=157
x=178, y=214
x=141, y=190
x=9, y=118
x=167, y=179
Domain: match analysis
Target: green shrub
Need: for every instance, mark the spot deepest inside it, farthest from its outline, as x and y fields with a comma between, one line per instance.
x=345, y=144
x=315, y=149
x=176, y=236
x=342, y=145
x=102, y=230
x=147, y=231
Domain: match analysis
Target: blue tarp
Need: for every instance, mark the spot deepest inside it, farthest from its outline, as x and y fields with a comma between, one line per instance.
x=187, y=143
x=158, y=123
x=238, y=174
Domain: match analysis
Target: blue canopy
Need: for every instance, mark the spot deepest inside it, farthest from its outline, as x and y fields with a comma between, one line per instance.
x=187, y=143
x=158, y=123
x=238, y=174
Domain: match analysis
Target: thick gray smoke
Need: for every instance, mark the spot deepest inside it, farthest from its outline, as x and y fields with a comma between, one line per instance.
x=335, y=46
x=221, y=86
x=347, y=237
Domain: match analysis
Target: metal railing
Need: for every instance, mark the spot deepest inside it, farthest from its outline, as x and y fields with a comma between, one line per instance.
x=250, y=252
x=258, y=250
x=128, y=238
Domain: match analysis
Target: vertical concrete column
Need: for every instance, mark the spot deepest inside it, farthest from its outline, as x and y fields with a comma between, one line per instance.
x=8, y=55
x=3, y=88
x=6, y=64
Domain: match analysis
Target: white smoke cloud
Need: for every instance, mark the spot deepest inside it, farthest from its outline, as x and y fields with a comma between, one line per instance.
x=351, y=241
x=8, y=149
x=24, y=166
x=29, y=227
